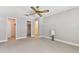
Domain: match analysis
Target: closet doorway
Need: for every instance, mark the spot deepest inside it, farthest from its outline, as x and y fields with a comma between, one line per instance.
x=12, y=29
x=28, y=28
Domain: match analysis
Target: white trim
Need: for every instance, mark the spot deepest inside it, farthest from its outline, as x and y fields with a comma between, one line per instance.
x=63, y=41
x=67, y=42
x=3, y=40
x=21, y=38
x=32, y=35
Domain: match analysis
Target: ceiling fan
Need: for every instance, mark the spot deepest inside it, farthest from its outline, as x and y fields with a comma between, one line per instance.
x=37, y=11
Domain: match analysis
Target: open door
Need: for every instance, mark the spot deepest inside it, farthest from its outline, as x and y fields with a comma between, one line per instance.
x=28, y=28
x=12, y=29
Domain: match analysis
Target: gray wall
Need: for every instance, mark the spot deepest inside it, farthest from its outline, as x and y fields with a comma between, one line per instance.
x=21, y=27
x=41, y=25
x=66, y=25
x=3, y=28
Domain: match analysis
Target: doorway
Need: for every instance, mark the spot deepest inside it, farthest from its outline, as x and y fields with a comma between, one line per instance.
x=12, y=29
x=36, y=29
x=28, y=28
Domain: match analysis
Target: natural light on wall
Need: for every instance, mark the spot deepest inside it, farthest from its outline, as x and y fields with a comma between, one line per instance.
x=36, y=29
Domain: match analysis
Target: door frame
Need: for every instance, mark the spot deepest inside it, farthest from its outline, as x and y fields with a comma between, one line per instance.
x=8, y=24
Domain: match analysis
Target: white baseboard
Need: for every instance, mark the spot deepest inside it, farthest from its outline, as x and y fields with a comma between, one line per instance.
x=16, y=39
x=32, y=35
x=21, y=38
x=3, y=40
x=63, y=41
x=67, y=42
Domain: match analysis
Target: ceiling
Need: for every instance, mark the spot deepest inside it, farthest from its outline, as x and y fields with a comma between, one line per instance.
x=13, y=11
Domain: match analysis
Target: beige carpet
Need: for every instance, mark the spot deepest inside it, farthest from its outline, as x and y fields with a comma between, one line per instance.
x=32, y=45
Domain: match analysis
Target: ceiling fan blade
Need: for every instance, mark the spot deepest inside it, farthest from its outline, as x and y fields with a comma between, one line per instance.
x=37, y=7
x=39, y=14
x=44, y=11
x=33, y=9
